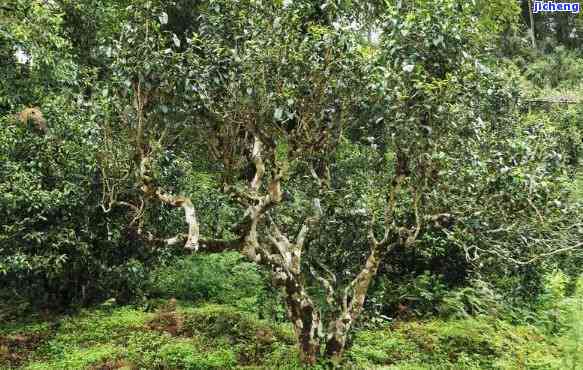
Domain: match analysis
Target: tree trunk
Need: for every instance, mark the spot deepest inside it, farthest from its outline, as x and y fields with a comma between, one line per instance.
x=338, y=329
x=531, y=17
x=305, y=318
x=336, y=341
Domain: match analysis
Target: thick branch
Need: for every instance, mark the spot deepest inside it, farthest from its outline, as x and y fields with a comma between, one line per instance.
x=390, y=209
x=189, y=216
x=326, y=283
x=151, y=190
x=413, y=234
x=359, y=285
x=259, y=165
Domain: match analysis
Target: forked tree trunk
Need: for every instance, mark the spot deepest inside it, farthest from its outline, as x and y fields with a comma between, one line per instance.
x=336, y=341
x=282, y=256
x=306, y=318
x=339, y=328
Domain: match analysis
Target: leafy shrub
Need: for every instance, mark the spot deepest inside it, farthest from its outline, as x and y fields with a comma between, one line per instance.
x=417, y=295
x=572, y=340
x=92, y=328
x=239, y=326
x=551, y=302
x=217, y=326
x=476, y=298
x=219, y=278
x=428, y=294
x=13, y=305
x=380, y=347
x=143, y=348
x=474, y=343
x=562, y=68
x=57, y=247
x=285, y=357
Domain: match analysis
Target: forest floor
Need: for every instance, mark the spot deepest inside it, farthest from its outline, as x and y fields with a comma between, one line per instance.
x=167, y=334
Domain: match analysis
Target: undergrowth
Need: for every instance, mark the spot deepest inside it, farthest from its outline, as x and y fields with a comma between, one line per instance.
x=215, y=332
x=177, y=335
